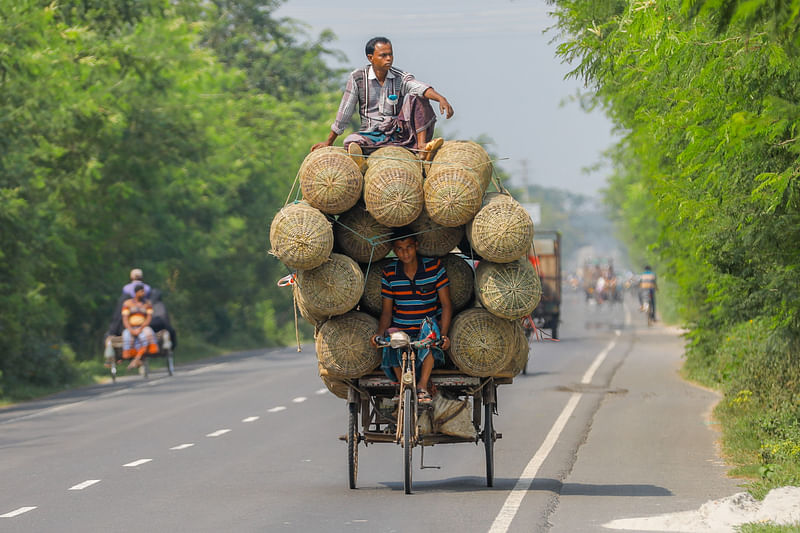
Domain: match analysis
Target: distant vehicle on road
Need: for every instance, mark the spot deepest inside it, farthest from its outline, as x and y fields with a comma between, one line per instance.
x=547, y=250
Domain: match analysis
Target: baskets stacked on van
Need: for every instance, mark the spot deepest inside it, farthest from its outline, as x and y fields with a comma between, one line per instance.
x=338, y=236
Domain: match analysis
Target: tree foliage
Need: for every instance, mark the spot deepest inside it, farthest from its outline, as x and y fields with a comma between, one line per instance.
x=705, y=94
x=138, y=133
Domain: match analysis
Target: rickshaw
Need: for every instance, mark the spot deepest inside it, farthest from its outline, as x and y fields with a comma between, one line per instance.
x=161, y=324
x=370, y=402
x=113, y=354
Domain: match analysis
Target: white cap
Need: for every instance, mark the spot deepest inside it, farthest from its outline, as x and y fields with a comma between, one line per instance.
x=136, y=273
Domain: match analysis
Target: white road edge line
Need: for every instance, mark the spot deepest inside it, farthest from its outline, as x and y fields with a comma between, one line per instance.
x=17, y=512
x=85, y=484
x=509, y=510
x=250, y=419
x=138, y=462
x=218, y=432
x=587, y=377
x=182, y=446
x=208, y=368
x=276, y=409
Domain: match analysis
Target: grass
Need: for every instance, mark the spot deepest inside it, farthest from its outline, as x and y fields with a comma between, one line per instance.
x=767, y=527
x=758, y=374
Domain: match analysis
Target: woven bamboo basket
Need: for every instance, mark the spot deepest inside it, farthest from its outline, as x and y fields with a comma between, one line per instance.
x=338, y=387
x=301, y=236
x=310, y=317
x=394, y=196
x=353, y=233
x=343, y=347
x=508, y=290
x=434, y=240
x=452, y=196
x=466, y=154
x=502, y=231
x=332, y=288
x=462, y=280
x=520, y=350
x=389, y=154
x=371, y=301
x=480, y=342
x=330, y=180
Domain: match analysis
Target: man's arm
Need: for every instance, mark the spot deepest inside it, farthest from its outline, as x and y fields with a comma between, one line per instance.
x=447, y=315
x=385, y=321
x=147, y=319
x=444, y=106
x=329, y=141
x=346, y=109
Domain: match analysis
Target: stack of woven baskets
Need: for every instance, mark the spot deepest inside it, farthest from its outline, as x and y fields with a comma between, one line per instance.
x=338, y=236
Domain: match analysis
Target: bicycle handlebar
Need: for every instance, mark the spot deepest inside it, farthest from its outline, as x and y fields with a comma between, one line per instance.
x=424, y=343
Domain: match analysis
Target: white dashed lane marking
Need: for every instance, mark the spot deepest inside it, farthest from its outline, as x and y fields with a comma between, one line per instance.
x=85, y=484
x=321, y=391
x=138, y=462
x=218, y=432
x=299, y=399
x=17, y=512
x=277, y=409
x=182, y=446
x=250, y=419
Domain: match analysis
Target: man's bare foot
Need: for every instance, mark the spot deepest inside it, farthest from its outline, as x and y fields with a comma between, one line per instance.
x=427, y=153
x=357, y=155
x=136, y=363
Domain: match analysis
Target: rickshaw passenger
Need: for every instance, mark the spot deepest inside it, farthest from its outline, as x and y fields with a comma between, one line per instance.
x=138, y=337
x=414, y=288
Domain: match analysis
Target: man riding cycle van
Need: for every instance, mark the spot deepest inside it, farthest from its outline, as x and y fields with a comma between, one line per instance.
x=647, y=289
x=414, y=288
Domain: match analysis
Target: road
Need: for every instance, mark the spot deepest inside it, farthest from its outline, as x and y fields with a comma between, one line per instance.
x=600, y=428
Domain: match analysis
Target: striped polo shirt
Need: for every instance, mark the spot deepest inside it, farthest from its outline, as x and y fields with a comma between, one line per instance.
x=413, y=300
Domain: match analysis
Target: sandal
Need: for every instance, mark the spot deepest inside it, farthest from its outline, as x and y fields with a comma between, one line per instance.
x=423, y=397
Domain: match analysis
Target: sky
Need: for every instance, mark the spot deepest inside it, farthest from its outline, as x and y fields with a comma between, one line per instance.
x=495, y=66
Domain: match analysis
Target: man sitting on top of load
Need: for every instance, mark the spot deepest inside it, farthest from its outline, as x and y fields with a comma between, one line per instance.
x=393, y=105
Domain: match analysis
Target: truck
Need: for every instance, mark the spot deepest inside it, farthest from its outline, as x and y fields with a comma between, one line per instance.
x=547, y=253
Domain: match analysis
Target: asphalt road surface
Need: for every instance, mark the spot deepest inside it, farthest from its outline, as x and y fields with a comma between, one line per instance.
x=602, y=427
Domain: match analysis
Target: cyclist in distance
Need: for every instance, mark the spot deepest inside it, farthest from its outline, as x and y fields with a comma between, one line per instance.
x=647, y=289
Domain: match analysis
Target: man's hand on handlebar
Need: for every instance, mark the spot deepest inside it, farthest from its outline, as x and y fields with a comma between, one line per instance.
x=445, y=342
x=377, y=342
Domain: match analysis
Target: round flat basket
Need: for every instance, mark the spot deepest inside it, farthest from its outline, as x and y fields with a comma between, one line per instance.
x=434, y=240
x=301, y=236
x=371, y=301
x=508, y=290
x=330, y=180
x=393, y=195
x=520, y=351
x=343, y=347
x=462, y=280
x=332, y=288
x=502, y=231
x=353, y=232
x=452, y=196
x=467, y=154
x=480, y=342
